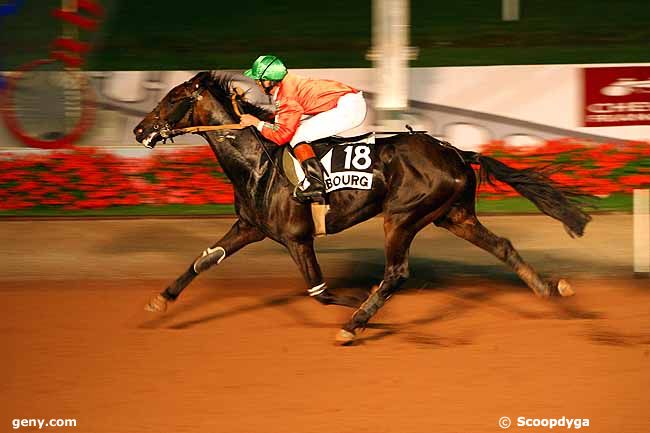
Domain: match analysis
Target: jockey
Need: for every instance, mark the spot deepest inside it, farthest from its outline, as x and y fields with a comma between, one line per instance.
x=305, y=110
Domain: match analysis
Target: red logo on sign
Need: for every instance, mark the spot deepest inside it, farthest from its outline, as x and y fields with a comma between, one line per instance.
x=617, y=96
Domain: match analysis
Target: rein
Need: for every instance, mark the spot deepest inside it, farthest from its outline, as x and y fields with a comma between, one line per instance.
x=188, y=103
x=198, y=129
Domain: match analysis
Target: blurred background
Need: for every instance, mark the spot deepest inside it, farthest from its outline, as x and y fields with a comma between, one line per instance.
x=208, y=34
x=517, y=79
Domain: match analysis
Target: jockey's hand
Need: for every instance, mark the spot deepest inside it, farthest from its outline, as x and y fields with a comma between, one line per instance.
x=248, y=120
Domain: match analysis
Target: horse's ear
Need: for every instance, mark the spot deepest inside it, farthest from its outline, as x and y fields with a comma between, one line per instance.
x=204, y=77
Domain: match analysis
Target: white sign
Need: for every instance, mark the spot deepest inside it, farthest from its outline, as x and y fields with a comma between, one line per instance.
x=348, y=166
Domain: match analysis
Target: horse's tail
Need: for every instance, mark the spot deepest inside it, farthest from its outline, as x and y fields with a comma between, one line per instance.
x=555, y=200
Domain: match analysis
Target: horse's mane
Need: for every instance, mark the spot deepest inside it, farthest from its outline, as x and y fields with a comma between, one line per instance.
x=221, y=87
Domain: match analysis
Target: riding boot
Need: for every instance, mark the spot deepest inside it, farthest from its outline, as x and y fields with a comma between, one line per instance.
x=314, y=173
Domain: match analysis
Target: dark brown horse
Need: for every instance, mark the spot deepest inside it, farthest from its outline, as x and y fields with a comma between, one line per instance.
x=418, y=181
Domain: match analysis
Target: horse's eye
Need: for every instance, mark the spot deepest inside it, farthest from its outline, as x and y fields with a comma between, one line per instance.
x=196, y=86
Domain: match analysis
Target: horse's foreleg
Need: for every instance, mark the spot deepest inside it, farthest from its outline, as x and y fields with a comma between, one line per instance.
x=303, y=254
x=470, y=228
x=397, y=244
x=239, y=235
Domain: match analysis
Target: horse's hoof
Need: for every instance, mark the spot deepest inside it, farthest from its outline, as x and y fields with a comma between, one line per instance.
x=564, y=288
x=344, y=337
x=158, y=304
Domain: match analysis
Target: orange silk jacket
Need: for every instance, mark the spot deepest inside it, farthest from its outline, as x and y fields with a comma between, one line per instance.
x=295, y=96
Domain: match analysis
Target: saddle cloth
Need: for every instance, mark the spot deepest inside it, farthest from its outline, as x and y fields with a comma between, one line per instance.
x=323, y=148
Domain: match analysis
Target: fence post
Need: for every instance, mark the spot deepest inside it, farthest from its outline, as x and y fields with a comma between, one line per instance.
x=390, y=55
x=510, y=10
x=641, y=232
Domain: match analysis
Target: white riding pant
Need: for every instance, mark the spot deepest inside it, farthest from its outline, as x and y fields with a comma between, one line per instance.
x=350, y=111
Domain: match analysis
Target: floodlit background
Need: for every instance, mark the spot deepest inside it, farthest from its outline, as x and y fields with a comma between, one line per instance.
x=455, y=77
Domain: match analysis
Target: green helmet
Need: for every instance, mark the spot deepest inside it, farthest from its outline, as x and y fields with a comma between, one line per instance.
x=267, y=68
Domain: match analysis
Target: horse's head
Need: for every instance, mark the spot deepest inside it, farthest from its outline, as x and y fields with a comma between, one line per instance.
x=188, y=104
x=206, y=99
x=175, y=110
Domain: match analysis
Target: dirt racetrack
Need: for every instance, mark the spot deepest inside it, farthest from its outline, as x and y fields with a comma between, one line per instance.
x=244, y=351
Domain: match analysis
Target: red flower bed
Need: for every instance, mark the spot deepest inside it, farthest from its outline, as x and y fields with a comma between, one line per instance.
x=597, y=169
x=87, y=178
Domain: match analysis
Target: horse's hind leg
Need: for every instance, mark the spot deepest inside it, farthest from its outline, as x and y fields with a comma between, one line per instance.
x=239, y=235
x=397, y=243
x=463, y=223
x=303, y=254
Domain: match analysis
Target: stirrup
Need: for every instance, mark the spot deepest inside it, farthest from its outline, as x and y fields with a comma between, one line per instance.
x=316, y=196
x=313, y=197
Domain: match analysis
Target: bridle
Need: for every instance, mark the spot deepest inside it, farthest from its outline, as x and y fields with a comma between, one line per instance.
x=186, y=104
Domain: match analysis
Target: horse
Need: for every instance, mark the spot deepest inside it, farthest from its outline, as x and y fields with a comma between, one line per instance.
x=418, y=181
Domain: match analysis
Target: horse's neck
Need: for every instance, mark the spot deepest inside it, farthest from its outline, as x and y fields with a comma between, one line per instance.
x=241, y=158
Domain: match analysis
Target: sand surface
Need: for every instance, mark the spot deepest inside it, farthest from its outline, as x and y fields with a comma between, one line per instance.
x=244, y=350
